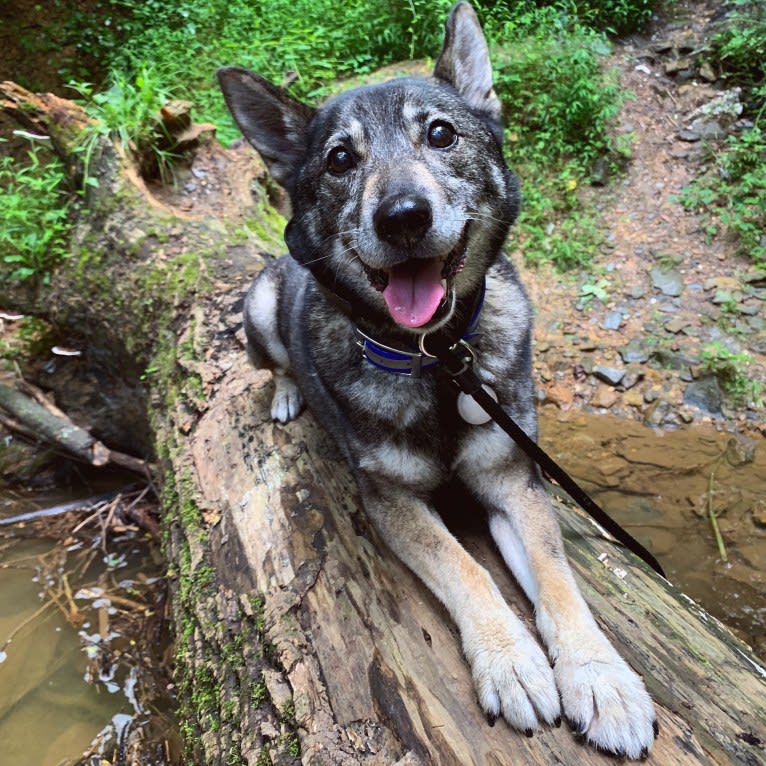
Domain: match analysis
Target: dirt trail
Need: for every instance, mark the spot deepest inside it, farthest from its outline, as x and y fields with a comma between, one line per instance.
x=670, y=292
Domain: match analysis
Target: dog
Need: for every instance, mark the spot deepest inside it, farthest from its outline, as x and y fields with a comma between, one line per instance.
x=401, y=202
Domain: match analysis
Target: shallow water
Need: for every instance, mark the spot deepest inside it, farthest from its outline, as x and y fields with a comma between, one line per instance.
x=657, y=484
x=49, y=713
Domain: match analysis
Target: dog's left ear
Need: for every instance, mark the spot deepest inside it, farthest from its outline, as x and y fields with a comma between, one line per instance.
x=464, y=62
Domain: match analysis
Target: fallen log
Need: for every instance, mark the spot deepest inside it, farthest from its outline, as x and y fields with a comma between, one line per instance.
x=299, y=637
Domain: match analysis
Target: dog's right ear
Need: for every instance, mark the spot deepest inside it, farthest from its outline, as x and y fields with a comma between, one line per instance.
x=273, y=122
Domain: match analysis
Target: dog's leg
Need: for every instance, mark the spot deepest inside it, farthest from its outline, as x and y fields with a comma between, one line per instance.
x=512, y=675
x=265, y=347
x=602, y=698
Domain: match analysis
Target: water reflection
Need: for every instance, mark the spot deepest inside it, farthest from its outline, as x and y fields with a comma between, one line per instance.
x=67, y=595
x=657, y=484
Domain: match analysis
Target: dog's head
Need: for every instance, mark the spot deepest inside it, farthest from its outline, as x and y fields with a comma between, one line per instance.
x=399, y=191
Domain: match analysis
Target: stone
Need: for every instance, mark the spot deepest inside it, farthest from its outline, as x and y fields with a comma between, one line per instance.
x=599, y=174
x=676, y=325
x=670, y=360
x=706, y=72
x=755, y=276
x=633, y=374
x=610, y=375
x=705, y=394
x=604, y=397
x=677, y=65
x=722, y=296
x=688, y=135
x=612, y=321
x=634, y=351
x=561, y=396
x=633, y=398
x=667, y=281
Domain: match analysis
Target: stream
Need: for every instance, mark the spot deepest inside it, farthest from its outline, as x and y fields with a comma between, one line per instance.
x=70, y=603
x=657, y=484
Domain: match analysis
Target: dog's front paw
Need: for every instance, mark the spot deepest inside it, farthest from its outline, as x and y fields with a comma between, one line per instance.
x=512, y=675
x=605, y=702
x=287, y=402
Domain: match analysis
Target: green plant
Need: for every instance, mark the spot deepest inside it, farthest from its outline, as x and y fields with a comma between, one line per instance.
x=732, y=195
x=733, y=372
x=548, y=73
x=739, y=48
x=34, y=210
x=591, y=290
x=128, y=112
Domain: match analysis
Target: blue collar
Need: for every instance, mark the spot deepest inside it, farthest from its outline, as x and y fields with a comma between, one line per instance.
x=412, y=363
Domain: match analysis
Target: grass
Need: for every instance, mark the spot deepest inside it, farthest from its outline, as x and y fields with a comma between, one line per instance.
x=733, y=372
x=34, y=209
x=731, y=195
x=128, y=111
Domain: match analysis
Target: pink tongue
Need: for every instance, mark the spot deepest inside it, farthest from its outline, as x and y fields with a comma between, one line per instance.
x=414, y=291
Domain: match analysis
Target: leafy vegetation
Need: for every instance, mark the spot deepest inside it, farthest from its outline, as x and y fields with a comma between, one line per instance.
x=548, y=56
x=34, y=209
x=127, y=111
x=732, y=194
x=732, y=370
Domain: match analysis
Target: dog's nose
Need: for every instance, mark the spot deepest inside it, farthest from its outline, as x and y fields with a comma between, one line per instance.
x=402, y=220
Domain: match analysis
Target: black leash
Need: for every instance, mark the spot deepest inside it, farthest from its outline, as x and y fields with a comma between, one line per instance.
x=462, y=373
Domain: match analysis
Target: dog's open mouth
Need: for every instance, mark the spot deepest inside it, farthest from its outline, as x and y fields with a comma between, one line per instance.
x=415, y=289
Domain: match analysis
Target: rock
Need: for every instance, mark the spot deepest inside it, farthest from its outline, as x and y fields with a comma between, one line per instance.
x=635, y=351
x=612, y=321
x=604, y=397
x=667, y=281
x=561, y=396
x=610, y=375
x=599, y=174
x=633, y=375
x=710, y=131
x=670, y=360
x=676, y=66
x=722, y=283
x=688, y=135
x=676, y=325
x=705, y=394
x=706, y=72
x=726, y=108
x=634, y=398
x=740, y=450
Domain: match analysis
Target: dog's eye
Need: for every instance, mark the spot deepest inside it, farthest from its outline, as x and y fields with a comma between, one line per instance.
x=340, y=160
x=441, y=135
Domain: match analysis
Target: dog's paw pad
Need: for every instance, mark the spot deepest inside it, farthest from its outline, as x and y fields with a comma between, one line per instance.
x=287, y=402
x=513, y=678
x=606, y=704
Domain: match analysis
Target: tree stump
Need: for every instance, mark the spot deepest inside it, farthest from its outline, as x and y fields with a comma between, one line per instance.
x=300, y=638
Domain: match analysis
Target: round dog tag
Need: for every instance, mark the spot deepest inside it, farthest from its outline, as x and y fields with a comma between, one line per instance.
x=471, y=411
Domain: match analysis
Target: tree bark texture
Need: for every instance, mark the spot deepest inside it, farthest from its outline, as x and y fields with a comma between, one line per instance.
x=300, y=637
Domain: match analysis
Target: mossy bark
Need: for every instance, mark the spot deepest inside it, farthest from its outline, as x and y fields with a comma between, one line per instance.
x=300, y=638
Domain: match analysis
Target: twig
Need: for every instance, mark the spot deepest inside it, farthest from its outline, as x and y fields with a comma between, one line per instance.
x=57, y=510
x=714, y=518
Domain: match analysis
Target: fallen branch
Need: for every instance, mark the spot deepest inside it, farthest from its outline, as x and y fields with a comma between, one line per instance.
x=35, y=415
x=714, y=518
x=74, y=505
